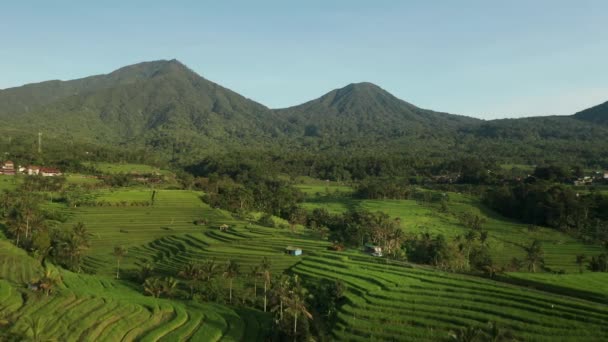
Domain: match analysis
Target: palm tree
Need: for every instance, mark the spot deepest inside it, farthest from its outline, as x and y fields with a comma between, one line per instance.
x=580, y=260
x=37, y=327
x=266, y=275
x=231, y=272
x=168, y=285
x=280, y=294
x=81, y=232
x=255, y=273
x=119, y=253
x=48, y=281
x=209, y=270
x=535, y=255
x=497, y=334
x=192, y=273
x=154, y=287
x=296, y=305
x=468, y=334
x=73, y=247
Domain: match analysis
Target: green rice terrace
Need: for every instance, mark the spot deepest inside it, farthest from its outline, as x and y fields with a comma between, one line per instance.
x=383, y=300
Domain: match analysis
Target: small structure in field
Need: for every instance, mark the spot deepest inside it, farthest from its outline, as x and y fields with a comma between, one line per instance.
x=293, y=250
x=49, y=172
x=200, y=222
x=224, y=227
x=373, y=250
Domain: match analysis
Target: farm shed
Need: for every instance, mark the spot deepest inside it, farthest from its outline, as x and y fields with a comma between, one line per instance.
x=293, y=250
x=373, y=249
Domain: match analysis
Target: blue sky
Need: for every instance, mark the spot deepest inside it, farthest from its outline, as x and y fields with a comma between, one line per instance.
x=489, y=59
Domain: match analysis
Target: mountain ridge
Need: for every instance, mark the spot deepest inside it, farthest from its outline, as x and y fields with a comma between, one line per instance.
x=166, y=106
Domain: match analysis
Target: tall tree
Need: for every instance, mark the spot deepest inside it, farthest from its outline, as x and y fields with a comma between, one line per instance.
x=266, y=276
x=192, y=273
x=534, y=255
x=296, y=304
x=119, y=252
x=231, y=272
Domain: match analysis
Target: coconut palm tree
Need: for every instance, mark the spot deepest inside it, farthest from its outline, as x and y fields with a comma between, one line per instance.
x=496, y=334
x=535, y=255
x=266, y=275
x=168, y=286
x=296, y=304
x=154, y=287
x=255, y=273
x=468, y=334
x=209, y=269
x=81, y=232
x=280, y=293
x=48, y=281
x=192, y=273
x=230, y=273
x=37, y=327
x=119, y=252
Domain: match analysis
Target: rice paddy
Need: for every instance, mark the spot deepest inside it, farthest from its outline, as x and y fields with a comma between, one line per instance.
x=384, y=300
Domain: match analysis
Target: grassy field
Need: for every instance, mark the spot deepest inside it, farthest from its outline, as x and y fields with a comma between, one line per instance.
x=385, y=301
x=111, y=168
x=507, y=237
x=593, y=285
x=9, y=182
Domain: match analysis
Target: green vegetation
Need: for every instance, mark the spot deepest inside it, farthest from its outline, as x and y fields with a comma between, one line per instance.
x=180, y=200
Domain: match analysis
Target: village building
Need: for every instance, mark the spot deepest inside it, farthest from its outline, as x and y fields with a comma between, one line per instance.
x=8, y=168
x=606, y=175
x=295, y=251
x=32, y=170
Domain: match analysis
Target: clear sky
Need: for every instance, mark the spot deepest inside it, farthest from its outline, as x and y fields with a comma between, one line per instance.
x=489, y=59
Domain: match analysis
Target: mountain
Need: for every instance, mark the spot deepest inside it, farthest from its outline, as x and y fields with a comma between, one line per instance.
x=31, y=96
x=597, y=114
x=168, y=110
x=365, y=109
x=153, y=103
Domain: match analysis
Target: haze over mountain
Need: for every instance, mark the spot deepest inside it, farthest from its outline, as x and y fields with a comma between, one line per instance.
x=166, y=106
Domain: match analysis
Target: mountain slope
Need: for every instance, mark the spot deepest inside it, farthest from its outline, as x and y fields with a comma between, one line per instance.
x=30, y=96
x=364, y=109
x=597, y=114
x=144, y=103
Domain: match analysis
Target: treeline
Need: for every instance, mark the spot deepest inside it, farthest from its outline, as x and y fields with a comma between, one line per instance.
x=584, y=214
x=293, y=302
x=37, y=231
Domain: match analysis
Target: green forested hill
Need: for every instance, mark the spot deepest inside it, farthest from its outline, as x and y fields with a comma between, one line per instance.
x=139, y=102
x=596, y=114
x=364, y=109
x=167, y=108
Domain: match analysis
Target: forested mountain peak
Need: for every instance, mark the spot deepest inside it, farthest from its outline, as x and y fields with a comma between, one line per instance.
x=367, y=109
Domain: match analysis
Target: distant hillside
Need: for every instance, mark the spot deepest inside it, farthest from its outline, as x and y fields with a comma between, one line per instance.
x=170, y=111
x=597, y=114
x=159, y=104
x=365, y=109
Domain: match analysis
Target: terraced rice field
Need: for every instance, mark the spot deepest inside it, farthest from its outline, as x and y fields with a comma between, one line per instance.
x=385, y=301
x=507, y=238
x=399, y=302
x=97, y=308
